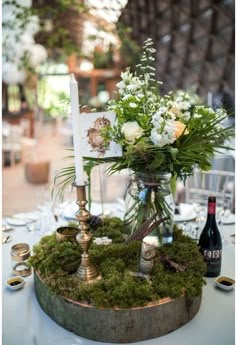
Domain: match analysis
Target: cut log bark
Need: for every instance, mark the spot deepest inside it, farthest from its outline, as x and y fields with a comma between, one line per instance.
x=117, y=325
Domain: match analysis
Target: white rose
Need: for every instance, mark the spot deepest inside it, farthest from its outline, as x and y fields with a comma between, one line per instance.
x=131, y=131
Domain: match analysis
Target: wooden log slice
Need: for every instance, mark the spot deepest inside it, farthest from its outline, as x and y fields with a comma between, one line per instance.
x=117, y=325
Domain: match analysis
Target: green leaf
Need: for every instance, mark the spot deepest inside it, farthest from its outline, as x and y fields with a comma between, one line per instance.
x=158, y=160
x=174, y=151
x=204, y=165
x=173, y=183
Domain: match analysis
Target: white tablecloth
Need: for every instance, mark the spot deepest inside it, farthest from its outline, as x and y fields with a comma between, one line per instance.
x=25, y=323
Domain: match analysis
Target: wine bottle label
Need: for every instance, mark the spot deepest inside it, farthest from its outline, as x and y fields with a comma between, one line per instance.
x=211, y=208
x=212, y=255
x=212, y=259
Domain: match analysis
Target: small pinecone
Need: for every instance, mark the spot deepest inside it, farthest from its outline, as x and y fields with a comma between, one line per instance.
x=94, y=222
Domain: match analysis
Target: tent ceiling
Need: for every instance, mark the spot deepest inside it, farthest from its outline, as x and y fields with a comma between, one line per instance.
x=194, y=41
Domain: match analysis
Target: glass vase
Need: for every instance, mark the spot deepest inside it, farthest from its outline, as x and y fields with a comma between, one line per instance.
x=149, y=196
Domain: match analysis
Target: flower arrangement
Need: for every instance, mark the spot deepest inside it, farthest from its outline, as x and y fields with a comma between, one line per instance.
x=161, y=137
x=169, y=133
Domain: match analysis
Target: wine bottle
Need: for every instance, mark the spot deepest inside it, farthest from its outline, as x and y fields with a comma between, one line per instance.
x=210, y=244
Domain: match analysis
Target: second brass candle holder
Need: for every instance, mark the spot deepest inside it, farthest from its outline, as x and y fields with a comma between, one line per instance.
x=86, y=271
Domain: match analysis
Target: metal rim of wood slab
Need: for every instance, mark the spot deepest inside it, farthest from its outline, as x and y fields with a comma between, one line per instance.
x=116, y=325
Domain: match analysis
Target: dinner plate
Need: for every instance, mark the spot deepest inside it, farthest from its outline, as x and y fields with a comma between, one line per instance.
x=14, y=221
x=184, y=218
x=21, y=219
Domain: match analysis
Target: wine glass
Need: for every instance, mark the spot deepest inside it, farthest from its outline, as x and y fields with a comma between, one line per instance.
x=48, y=222
x=34, y=225
x=199, y=202
x=60, y=204
x=187, y=228
x=222, y=215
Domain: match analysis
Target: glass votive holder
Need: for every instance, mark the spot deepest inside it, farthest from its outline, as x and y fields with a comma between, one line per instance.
x=20, y=253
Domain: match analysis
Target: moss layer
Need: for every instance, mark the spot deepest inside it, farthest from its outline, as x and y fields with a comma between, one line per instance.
x=57, y=261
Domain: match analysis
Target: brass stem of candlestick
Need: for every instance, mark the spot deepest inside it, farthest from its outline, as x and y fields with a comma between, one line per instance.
x=86, y=271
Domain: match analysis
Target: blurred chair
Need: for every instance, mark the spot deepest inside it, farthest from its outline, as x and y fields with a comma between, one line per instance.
x=15, y=146
x=219, y=183
x=12, y=142
x=224, y=161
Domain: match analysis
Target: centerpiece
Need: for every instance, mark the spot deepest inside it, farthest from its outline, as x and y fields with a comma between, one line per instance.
x=162, y=138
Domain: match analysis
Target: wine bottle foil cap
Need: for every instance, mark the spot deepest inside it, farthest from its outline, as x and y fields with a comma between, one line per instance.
x=211, y=208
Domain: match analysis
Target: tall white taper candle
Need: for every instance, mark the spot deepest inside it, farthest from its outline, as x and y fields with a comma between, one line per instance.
x=76, y=127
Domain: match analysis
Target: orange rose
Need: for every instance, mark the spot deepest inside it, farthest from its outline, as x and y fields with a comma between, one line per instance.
x=179, y=128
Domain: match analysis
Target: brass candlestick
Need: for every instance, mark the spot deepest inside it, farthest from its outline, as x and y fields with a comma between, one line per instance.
x=86, y=271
